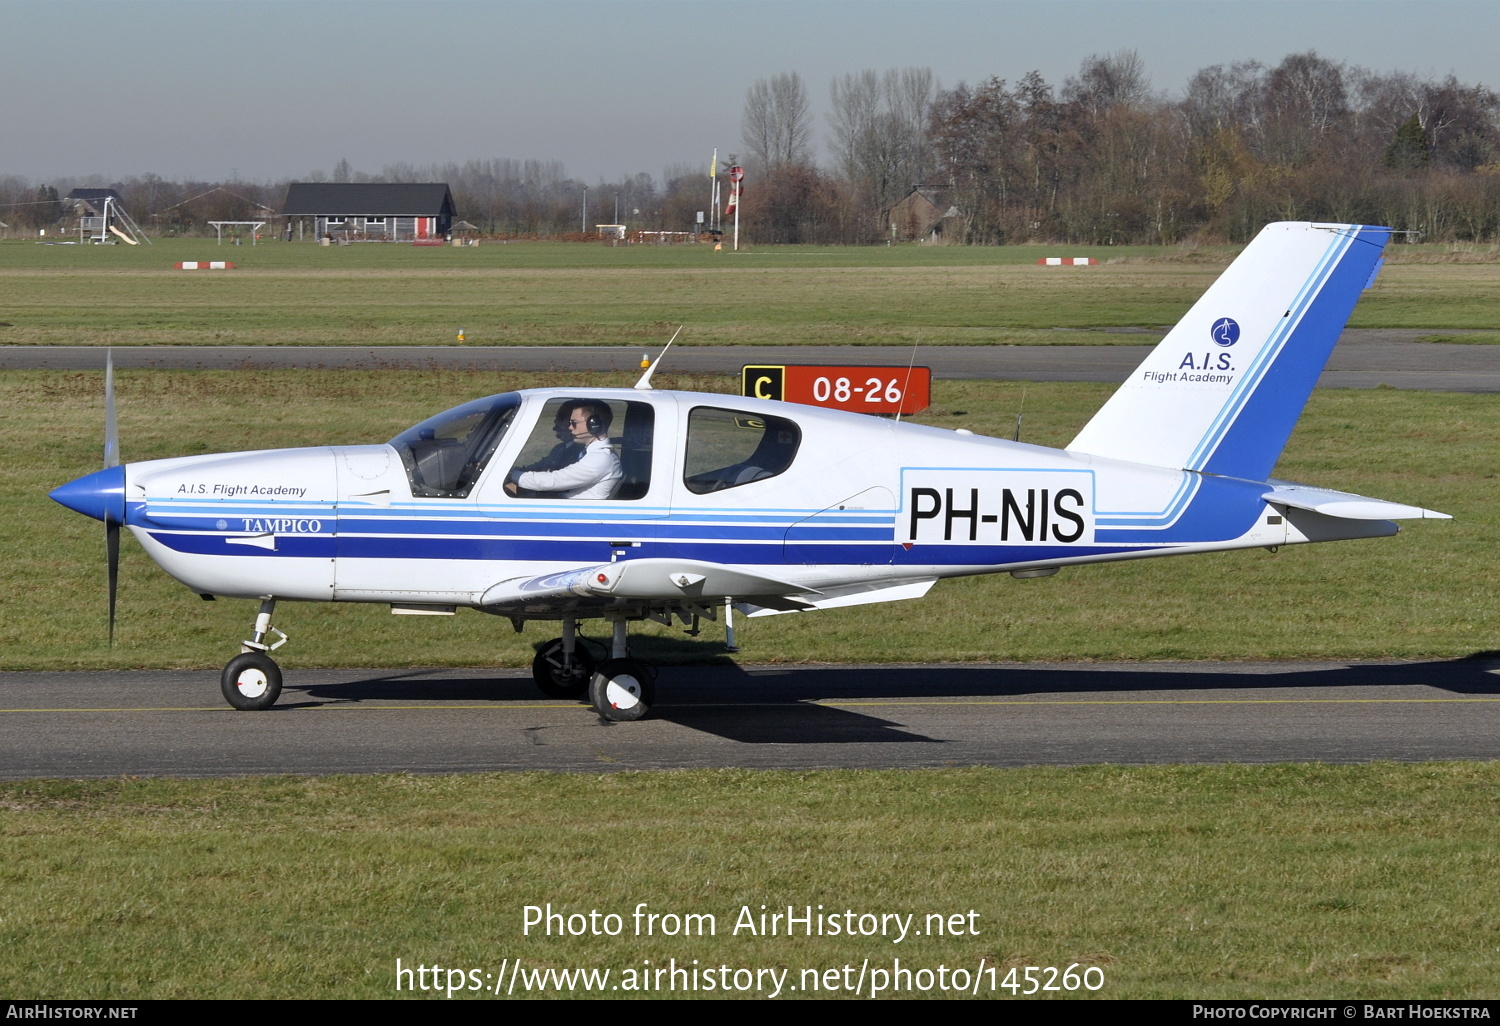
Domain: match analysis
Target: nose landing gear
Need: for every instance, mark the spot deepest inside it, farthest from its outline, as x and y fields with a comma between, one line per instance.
x=251, y=680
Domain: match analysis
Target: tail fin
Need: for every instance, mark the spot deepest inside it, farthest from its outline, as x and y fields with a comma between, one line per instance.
x=1222, y=392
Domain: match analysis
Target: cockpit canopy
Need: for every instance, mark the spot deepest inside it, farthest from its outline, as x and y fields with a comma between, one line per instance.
x=444, y=455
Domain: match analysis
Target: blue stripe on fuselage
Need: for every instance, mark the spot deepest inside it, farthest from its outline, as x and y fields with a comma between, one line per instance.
x=1223, y=508
x=1220, y=509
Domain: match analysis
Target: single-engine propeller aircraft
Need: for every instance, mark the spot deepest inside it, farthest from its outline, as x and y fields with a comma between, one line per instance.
x=634, y=504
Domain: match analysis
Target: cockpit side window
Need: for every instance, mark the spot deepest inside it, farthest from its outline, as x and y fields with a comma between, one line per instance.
x=586, y=448
x=444, y=455
x=729, y=448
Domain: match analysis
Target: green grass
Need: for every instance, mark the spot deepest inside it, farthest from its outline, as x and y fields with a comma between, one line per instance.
x=1203, y=882
x=276, y=255
x=557, y=294
x=1426, y=593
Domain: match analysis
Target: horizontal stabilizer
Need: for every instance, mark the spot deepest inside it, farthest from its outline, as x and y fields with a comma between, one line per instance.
x=1345, y=505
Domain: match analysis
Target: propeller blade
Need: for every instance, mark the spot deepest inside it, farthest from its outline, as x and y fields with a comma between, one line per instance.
x=111, y=459
x=112, y=548
x=111, y=427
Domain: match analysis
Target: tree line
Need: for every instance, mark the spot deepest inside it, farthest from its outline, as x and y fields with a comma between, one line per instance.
x=1104, y=160
x=1099, y=159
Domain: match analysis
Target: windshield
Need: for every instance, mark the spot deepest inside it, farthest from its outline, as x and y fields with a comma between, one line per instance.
x=444, y=455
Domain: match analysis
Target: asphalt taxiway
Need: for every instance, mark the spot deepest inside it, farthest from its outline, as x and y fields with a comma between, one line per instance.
x=174, y=723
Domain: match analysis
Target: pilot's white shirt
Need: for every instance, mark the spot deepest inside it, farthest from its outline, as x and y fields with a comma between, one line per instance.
x=594, y=476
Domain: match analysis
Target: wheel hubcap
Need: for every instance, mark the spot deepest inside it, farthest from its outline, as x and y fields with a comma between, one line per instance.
x=252, y=683
x=623, y=693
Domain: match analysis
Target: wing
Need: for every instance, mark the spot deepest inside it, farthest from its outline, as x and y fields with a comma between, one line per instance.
x=639, y=580
x=687, y=582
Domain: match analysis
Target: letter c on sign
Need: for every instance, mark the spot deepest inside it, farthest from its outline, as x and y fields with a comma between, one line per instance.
x=760, y=393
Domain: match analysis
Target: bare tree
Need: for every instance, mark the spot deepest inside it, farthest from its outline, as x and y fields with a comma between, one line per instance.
x=880, y=133
x=1220, y=99
x=975, y=136
x=1106, y=81
x=1305, y=100
x=856, y=106
x=776, y=125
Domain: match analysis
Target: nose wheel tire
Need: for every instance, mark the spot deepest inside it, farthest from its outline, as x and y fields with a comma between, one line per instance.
x=553, y=679
x=251, y=681
x=622, y=689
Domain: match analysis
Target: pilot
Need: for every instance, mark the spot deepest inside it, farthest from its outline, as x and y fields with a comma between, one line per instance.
x=593, y=475
x=566, y=452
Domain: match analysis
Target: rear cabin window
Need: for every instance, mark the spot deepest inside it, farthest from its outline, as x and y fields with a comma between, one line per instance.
x=729, y=448
x=444, y=455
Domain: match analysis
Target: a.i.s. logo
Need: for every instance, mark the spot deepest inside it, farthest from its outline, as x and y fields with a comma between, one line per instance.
x=1225, y=332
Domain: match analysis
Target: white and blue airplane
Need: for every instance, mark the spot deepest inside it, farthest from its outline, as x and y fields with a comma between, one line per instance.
x=715, y=502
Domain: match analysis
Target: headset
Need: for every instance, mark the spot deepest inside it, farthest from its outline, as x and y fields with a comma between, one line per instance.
x=600, y=417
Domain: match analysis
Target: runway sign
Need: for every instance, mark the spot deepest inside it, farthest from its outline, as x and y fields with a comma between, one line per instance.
x=857, y=389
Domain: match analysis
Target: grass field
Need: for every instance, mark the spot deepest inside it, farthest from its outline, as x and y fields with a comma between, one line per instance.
x=1203, y=882
x=1425, y=593
x=557, y=294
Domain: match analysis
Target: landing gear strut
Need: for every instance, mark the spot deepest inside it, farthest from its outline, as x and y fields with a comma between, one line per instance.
x=622, y=688
x=561, y=668
x=252, y=680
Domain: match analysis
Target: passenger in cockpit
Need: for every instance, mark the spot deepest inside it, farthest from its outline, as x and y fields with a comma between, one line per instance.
x=594, y=473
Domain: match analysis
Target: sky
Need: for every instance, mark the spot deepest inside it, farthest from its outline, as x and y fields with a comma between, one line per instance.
x=266, y=90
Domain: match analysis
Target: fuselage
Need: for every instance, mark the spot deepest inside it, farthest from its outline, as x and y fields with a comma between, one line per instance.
x=812, y=497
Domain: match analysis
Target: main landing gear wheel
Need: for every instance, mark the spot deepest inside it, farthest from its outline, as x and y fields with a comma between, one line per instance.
x=553, y=679
x=251, y=681
x=622, y=689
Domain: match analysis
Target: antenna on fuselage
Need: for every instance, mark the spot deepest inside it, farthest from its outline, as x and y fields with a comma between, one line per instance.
x=1019, y=413
x=645, y=382
x=916, y=341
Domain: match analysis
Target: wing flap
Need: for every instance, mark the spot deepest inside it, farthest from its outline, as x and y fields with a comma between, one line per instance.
x=859, y=595
x=691, y=578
